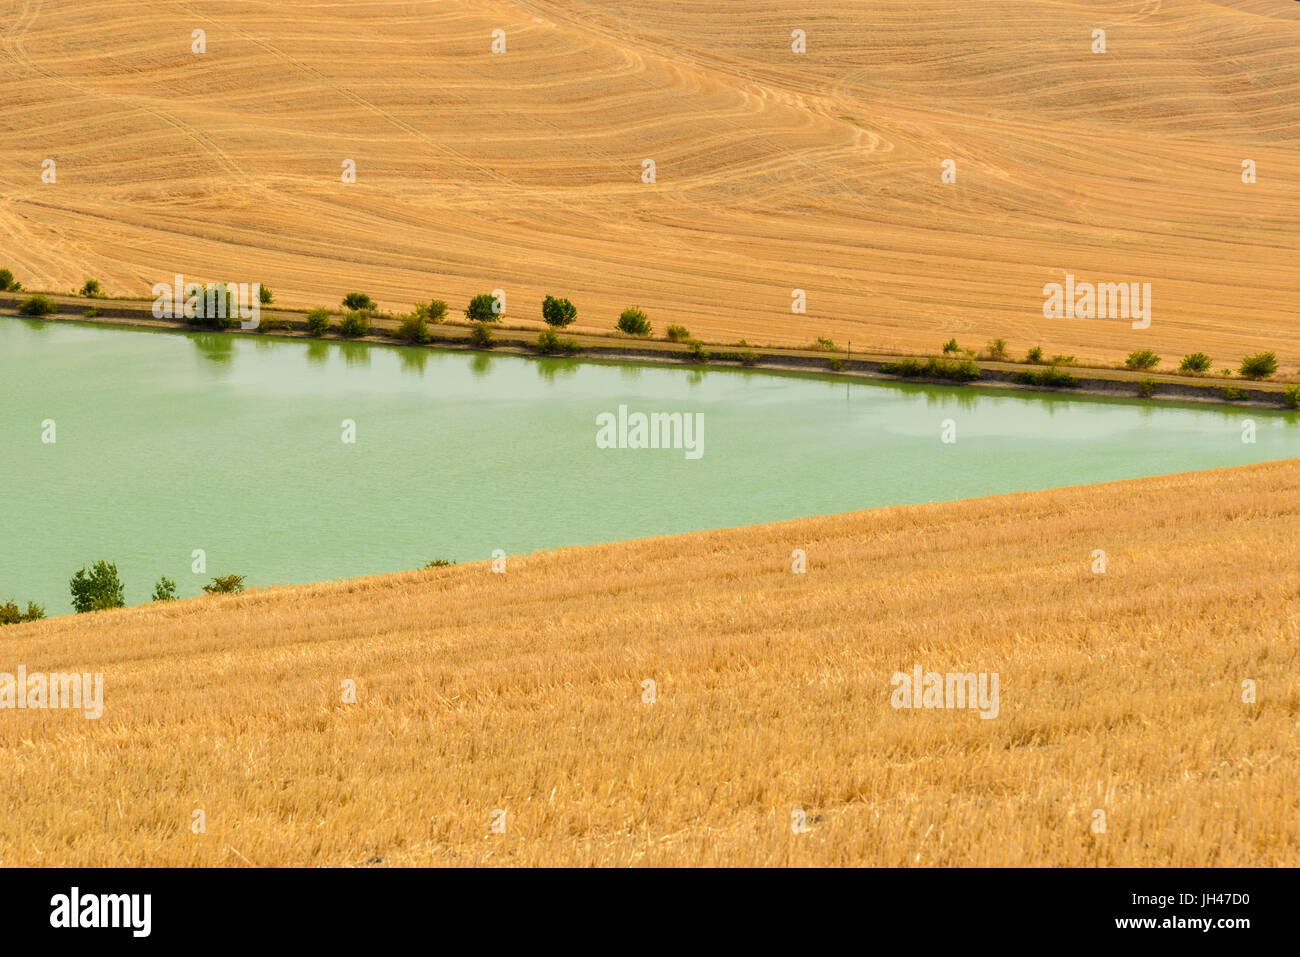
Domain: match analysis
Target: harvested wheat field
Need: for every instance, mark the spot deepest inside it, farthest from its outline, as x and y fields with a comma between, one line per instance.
x=522, y=170
x=524, y=692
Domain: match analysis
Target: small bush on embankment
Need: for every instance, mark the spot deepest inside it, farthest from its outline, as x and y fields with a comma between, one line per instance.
x=355, y=324
x=38, y=306
x=954, y=370
x=1049, y=378
x=549, y=342
x=480, y=335
x=1291, y=397
x=318, y=322
x=414, y=328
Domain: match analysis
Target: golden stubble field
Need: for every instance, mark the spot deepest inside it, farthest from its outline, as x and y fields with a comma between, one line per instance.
x=523, y=692
x=775, y=171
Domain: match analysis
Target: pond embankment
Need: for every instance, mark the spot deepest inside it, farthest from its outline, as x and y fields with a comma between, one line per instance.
x=615, y=348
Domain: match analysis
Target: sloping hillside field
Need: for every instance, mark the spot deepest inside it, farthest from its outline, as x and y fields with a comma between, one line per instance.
x=774, y=170
x=692, y=700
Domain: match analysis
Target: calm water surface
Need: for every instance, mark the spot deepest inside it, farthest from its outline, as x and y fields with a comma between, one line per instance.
x=170, y=442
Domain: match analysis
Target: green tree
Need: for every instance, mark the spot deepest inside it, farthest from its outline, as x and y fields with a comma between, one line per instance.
x=433, y=311
x=482, y=308
x=90, y=289
x=226, y=585
x=265, y=296
x=678, y=334
x=6, y=280
x=165, y=590
x=11, y=614
x=99, y=589
x=558, y=312
x=1196, y=362
x=358, y=300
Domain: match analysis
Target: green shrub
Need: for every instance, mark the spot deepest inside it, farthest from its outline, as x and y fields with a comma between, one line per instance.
x=434, y=311
x=836, y=365
x=6, y=280
x=1050, y=378
x=1233, y=394
x=272, y=324
x=634, y=322
x=1196, y=363
x=482, y=308
x=950, y=347
x=99, y=589
x=1063, y=360
x=38, y=306
x=318, y=322
x=208, y=311
x=1259, y=366
x=1142, y=359
x=678, y=334
x=548, y=341
x=439, y=563
x=1147, y=388
x=226, y=585
x=697, y=351
x=997, y=349
x=93, y=313
x=11, y=614
x=558, y=312
x=358, y=300
x=90, y=289
x=480, y=334
x=1291, y=397
x=907, y=368
x=1034, y=355
x=824, y=345
x=958, y=370
x=355, y=324
x=165, y=590
x=413, y=328
x=265, y=296
x=747, y=357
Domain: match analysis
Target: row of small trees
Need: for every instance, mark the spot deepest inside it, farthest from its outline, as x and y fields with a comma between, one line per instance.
x=98, y=586
x=1262, y=365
